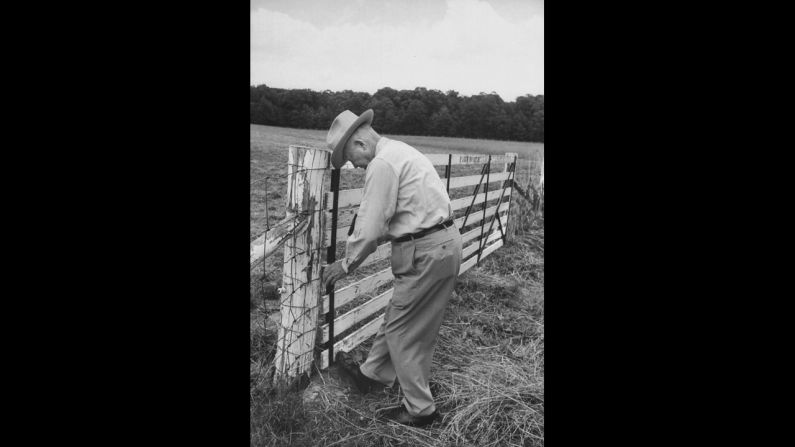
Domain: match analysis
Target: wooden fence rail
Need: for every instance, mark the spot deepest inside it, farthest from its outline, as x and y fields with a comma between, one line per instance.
x=265, y=245
x=309, y=321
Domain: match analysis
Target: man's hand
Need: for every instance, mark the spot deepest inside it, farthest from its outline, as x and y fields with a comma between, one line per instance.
x=331, y=274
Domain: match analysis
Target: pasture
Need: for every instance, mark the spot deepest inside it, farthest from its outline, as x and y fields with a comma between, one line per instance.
x=488, y=367
x=268, y=157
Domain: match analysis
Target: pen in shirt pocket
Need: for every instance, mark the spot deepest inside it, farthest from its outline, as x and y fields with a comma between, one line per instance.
x=353, y=224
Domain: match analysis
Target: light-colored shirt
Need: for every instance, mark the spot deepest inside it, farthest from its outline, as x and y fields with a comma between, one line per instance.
x=403, y=194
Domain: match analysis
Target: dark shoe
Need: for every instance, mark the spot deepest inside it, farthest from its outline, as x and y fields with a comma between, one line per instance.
x=351, y=370
x=401, y=416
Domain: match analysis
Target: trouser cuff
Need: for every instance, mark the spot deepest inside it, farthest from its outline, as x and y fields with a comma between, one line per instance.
x=369, y=374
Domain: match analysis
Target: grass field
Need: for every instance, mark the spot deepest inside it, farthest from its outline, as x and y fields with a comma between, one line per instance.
x=268, y=157
x=488, y=370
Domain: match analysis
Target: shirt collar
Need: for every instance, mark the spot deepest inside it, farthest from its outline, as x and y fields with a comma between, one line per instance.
x=380, y=145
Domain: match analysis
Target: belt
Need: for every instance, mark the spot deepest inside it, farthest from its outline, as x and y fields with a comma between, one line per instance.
x=424, y=232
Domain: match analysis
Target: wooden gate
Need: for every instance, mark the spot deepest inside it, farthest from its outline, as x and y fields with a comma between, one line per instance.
x=311, y=327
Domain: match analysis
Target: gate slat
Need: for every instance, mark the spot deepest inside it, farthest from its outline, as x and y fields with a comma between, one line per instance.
x=458, y=182
x=348, y=197
x=357, y=314
x=477, y=218
x=466, y=159
x=471, y=234
x=353, y=340
x=474, y=260
x=473, y=247
x=464, y=202
x=351, y=291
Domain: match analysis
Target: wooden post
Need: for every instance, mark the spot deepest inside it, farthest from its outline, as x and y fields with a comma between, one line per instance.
x=515, y=157
x=541, y=182
x=541, y=186
x=303, y=253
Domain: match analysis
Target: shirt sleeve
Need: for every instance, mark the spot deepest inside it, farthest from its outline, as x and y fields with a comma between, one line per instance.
x=376, y=210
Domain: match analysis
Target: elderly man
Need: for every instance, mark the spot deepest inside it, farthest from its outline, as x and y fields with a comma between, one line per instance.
x=404, y=201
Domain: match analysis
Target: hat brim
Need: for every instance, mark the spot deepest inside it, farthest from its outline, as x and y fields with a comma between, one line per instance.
x=337, y=159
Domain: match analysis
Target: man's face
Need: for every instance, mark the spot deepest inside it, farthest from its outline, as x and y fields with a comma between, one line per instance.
x=356, y=153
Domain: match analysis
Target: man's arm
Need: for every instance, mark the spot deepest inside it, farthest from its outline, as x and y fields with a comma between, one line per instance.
x=377, y=208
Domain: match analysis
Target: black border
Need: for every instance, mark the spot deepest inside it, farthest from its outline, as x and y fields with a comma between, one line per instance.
x=144, y=321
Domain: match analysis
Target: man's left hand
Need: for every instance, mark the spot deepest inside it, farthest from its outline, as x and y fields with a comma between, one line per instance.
x=331, y=274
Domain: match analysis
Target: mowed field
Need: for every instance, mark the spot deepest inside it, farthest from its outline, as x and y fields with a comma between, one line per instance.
x=488, y=370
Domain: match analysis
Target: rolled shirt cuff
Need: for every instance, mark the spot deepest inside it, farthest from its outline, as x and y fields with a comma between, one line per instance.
x=344, y=265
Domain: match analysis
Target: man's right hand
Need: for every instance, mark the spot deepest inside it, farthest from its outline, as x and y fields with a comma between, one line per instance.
x=331, y=274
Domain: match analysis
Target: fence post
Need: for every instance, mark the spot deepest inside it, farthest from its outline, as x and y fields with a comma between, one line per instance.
x=303, y=253
x=515, y=157
x=541, y=182
x=541, y=186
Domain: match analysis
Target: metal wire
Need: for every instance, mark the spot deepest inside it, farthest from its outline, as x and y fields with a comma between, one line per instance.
x=267, y=193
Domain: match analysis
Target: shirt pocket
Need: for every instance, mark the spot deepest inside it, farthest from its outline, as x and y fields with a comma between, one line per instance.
x=403, y=259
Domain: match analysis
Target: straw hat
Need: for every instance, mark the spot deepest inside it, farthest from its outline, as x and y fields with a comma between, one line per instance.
x=341, y=130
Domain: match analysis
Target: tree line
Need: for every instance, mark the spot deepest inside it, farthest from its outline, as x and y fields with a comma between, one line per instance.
x=405, y=112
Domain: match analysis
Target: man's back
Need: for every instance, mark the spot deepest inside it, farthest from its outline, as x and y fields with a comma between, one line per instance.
x=422, y=200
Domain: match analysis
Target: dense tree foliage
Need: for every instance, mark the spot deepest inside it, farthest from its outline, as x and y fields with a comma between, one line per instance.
x=407, y=112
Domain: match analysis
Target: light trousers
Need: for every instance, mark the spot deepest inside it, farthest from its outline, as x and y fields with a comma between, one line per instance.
x=425, y=271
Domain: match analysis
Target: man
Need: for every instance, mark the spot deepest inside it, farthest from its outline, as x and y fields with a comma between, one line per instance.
x=404, y=200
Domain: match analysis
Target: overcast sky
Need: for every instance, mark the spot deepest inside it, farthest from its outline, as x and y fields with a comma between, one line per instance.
x=470, y=46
